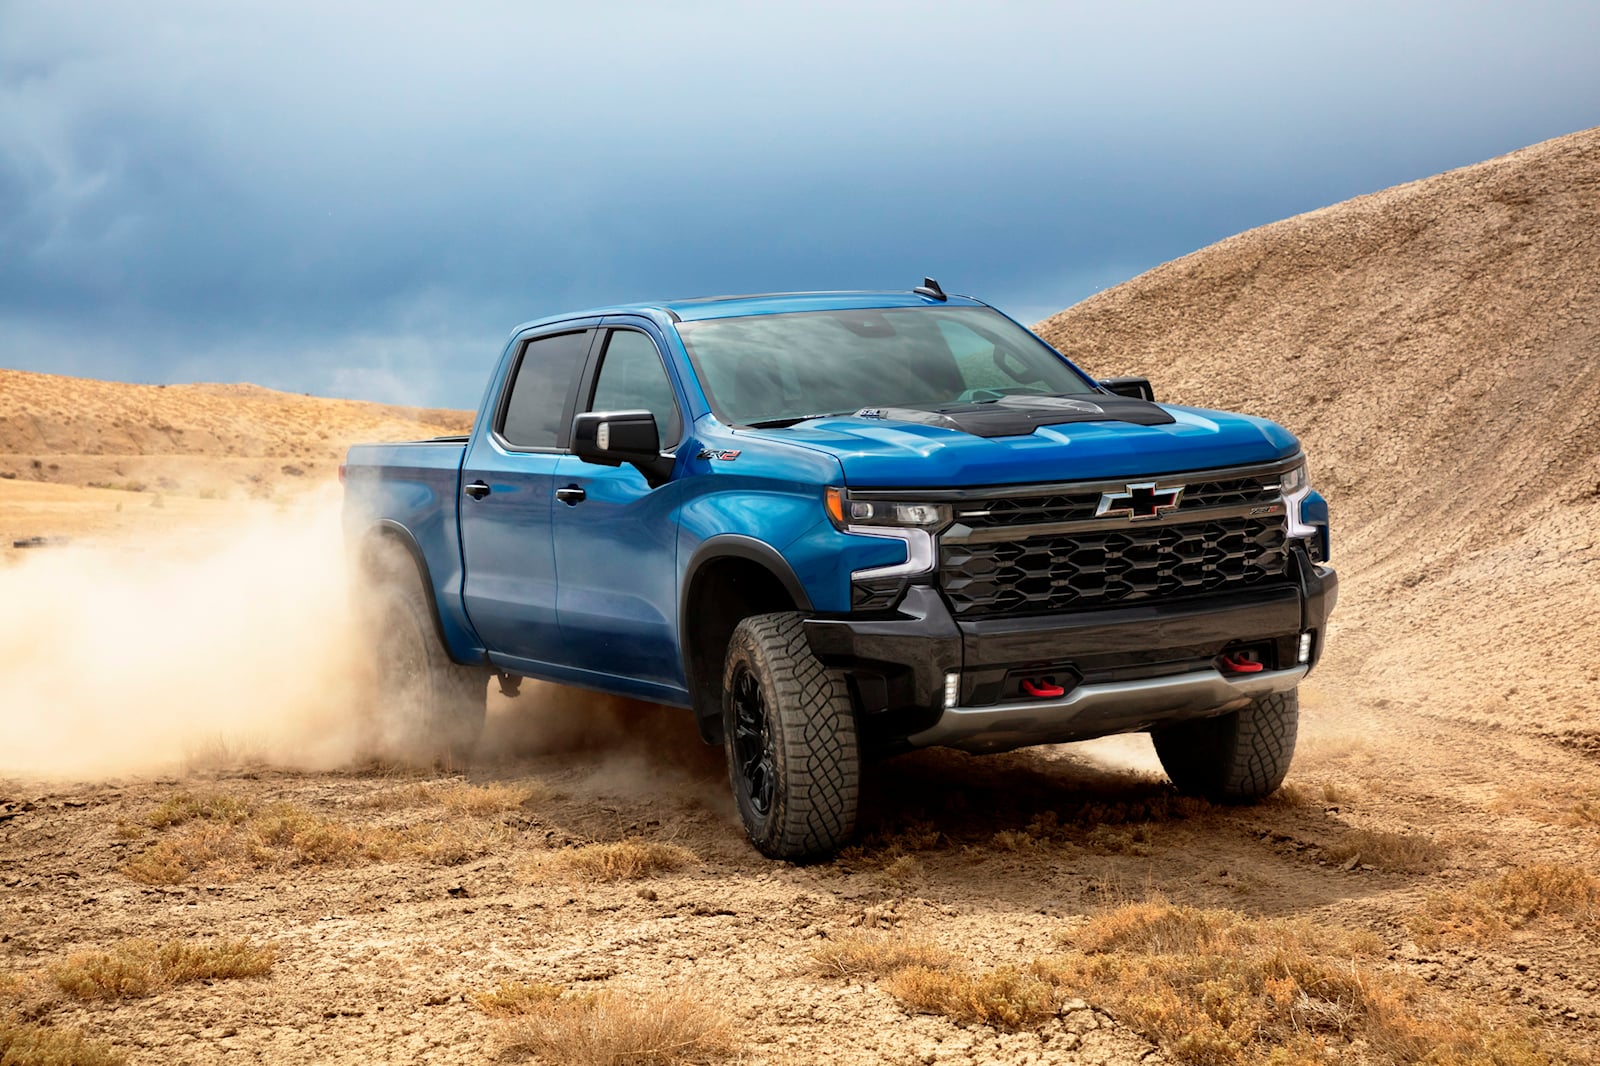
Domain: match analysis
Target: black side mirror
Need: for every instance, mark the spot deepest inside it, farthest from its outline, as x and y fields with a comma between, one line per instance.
x=611, y=438
x=1136, y=388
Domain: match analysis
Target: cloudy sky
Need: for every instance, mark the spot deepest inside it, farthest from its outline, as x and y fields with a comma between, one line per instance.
x=362, y=199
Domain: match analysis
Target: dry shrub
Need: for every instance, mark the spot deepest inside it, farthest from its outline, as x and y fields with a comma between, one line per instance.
x=1006, y=998
x=1131, y=840
x=1015, y=840
x=512, y=998
x=281, y=836
x=184, y=807
x=24, y=1043
x=139, y=967
x=903, y=869
x=625, y=860
x=1541, y=889
x=1216, y=988
x=1489, y=910
x=1391, y=852
x=862, y=956
x=613, y=1029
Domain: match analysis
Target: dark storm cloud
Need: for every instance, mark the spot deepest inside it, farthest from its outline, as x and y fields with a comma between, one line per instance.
x=365, y=199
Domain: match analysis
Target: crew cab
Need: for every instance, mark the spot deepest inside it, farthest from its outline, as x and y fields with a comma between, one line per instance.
x=838, y=526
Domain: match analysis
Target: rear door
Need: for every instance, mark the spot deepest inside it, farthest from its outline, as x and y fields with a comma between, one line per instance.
x=507, y=485
x=616, y=538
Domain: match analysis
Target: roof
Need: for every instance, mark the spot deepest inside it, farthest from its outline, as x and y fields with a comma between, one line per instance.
x=777, y=303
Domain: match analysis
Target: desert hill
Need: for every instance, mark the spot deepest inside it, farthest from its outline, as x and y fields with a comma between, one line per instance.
x=216, y=439
x=1437, y=348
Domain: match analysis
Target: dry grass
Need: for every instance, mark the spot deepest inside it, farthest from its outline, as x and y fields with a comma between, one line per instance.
x=25, y=1043
x=1390, y=852
x=1213, y=988
x=1487, y=912
x=226, y=838
x=1005, y=998
x=1216, y=988
x=857, y=956
x=624, y=860
x=513, y=998
x=480, y=800
x=926, y=980
x=139, y=967
x=460, y=797
x=613, y=1029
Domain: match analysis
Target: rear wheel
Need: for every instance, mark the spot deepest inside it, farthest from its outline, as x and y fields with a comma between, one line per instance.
x=789, y=730
x=428, y=706
x=1234, y=758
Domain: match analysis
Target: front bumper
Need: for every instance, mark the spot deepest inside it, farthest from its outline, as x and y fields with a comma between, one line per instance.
x=1124, y=669
x=1092, y=710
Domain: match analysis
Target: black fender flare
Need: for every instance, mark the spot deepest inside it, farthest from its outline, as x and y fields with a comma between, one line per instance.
x=730, y=546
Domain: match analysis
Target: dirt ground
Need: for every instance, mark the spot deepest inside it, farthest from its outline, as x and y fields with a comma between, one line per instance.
x=1447, y=747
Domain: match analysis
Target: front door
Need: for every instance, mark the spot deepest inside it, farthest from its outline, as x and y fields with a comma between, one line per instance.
x=507, y=486
x=616, y=538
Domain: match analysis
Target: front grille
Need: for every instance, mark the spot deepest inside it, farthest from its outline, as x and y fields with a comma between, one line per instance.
x=1079, y=505
x=1102, y=568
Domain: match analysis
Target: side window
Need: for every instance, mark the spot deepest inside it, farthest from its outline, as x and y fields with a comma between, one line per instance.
x=536, y=411
x=632, y=378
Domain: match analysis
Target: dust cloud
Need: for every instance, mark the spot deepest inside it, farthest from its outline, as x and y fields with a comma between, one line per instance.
x=154, y=652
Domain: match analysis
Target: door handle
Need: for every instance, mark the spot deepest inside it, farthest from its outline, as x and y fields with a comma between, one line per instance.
x=572, y=495
x=477, y=490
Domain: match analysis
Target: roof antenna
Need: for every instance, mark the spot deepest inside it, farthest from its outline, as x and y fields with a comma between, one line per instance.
x=931, y=290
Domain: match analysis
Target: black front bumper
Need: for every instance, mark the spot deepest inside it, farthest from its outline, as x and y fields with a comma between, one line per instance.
x=898, y=661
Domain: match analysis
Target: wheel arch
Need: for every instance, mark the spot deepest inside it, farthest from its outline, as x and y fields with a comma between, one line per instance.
x=374, y=559
x=728, y=578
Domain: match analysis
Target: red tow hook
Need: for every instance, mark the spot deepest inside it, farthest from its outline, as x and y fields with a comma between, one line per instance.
x=1240, y=665
x=1042, y=688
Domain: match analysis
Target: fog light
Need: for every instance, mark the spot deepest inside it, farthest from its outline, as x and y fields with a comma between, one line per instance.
x=952, y=689
x=1305, y=648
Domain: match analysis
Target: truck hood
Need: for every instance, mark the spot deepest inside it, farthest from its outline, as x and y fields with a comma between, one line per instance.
x=882, y=453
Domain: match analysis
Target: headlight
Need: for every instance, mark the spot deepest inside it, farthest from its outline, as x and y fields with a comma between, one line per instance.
x=1294, y=481
x=846, y=512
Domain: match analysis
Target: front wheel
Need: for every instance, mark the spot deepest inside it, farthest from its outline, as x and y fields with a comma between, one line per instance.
x=1239, y=757
x=794, y=759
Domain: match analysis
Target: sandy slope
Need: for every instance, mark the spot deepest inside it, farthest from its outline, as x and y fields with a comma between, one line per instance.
x=1434, y=346
x=217, y=439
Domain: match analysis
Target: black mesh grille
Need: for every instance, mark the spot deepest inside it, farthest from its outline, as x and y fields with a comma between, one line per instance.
x=1028, y=510
x=1229, y=493
x=1080, y=571
x=1038, y=509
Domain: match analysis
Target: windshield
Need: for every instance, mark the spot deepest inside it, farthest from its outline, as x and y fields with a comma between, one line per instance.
x=775, y=369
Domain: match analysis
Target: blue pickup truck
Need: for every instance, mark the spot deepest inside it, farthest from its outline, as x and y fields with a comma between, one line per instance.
x=839, y=526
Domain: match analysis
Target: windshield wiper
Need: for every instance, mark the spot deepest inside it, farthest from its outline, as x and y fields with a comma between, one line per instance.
x=794, y=420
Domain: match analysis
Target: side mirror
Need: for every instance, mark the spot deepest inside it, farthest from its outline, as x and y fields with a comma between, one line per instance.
x=611, y=438
x=1136, y=388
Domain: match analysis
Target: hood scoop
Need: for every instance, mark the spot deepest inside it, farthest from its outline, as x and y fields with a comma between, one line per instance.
x=1020, y=415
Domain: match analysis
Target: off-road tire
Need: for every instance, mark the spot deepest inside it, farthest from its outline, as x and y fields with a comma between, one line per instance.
x=427, y=708
x=809, y=747
x=1240, y=757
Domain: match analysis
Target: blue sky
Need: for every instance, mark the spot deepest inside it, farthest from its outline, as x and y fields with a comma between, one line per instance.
x=362, y=199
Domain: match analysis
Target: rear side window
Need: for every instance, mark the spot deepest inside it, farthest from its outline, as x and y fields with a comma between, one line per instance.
x=537, y=412
x=632, y=378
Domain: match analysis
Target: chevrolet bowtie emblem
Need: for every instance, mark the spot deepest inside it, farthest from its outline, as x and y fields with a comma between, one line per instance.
x=1139, y=502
